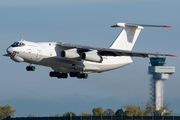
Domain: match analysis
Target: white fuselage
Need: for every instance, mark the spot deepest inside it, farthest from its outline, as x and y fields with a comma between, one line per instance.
x=49, y=54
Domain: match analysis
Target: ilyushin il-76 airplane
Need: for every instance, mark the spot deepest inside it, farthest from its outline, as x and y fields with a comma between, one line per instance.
x=79, y=60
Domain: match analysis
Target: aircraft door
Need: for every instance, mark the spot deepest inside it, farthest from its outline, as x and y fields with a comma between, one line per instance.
x=39, y=52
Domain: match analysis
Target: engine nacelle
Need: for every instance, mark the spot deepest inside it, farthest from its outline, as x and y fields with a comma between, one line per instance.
x=91, y=56
x=70, y=54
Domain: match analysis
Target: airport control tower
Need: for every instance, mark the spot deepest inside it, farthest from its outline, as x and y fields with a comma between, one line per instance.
x=160, y=72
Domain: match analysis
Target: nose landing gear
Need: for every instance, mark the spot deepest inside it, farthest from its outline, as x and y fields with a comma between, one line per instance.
x=30, y=68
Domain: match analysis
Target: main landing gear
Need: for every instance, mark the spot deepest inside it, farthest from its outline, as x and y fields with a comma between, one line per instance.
x=65, y=75
x=78, y=75
x=58, y=74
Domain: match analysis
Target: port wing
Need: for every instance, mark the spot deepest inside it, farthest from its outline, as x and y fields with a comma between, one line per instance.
x=110, y=52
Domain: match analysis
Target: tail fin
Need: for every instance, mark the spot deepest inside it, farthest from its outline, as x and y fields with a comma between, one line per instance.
x=128, y=36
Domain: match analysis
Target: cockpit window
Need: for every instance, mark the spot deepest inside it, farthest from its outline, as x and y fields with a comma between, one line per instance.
x=17, y=44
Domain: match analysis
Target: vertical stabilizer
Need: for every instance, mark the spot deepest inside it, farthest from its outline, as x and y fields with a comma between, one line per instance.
x=128, y=36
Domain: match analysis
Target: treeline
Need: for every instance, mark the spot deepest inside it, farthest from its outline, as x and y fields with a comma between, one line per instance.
x=129, y=110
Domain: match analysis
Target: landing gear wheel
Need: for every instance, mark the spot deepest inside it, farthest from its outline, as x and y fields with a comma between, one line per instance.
x=58, y=74
x=74, y=74
x=33, y=68
x=78, y=74
x=52, y=74
x=64, y=75
x=85, y=76
x=30, y=68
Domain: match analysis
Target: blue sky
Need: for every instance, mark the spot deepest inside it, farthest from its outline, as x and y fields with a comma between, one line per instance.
x=87, y=23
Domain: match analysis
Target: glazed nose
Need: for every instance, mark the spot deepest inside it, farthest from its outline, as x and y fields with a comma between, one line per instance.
x=9, y=50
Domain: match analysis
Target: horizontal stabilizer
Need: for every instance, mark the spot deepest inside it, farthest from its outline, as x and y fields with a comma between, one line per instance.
x=171, y=55
x=136, y=25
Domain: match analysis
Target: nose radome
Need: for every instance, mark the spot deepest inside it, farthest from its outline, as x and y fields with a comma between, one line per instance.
x=9, y=50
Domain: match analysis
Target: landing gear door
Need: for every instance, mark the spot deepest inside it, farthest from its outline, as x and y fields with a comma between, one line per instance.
x=39, y=52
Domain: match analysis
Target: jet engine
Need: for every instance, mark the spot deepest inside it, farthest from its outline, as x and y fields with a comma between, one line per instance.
x=70, y=53
x=91, y=56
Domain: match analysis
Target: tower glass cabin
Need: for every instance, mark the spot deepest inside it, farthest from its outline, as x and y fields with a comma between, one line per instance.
x=157, y=61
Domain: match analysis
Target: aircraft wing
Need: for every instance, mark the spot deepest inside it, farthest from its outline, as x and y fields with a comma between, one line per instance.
x=110, y=52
